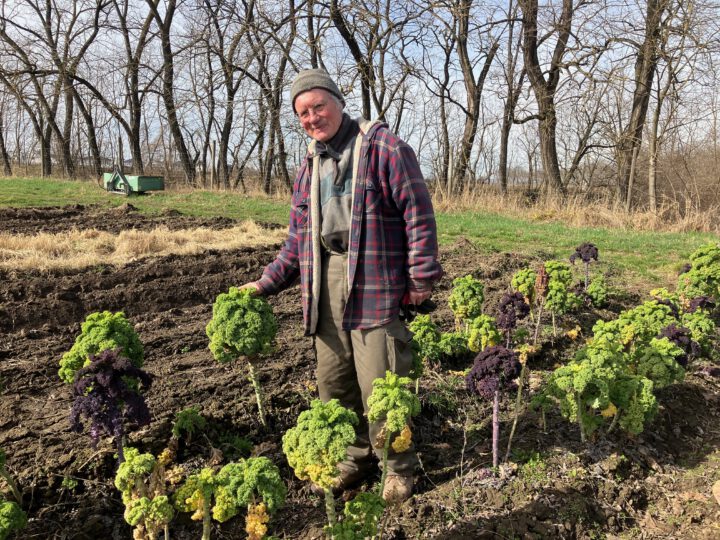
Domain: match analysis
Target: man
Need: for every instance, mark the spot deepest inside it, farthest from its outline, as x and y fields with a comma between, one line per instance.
x=362, y=239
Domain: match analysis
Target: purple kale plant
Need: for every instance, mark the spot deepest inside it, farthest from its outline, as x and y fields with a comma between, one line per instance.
x=701, y=302
x=682, y=337
x=511, y=309
x=685, y=269
x=106, y=395
x=494, y=370
x=587, y=253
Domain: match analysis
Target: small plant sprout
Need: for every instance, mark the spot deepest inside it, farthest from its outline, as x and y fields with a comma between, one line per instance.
x=188, y=422
x=494, y=370
x=101, y=332
x=393, y=402
x=103, y=394
x=141, y=482
x=587, y=253
x=5, y=475
x=361, y=518
x=243, y=326
x=483, y=333
x=254, y=483
x=317, y=443
x=466, y=299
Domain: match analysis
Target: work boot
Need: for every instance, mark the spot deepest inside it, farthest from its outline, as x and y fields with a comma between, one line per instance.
x=348, y=476
x=397, y=488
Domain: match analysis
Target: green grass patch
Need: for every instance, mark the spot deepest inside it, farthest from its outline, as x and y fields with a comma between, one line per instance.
x=27, y=192
x=647, y=259
x=651, y=258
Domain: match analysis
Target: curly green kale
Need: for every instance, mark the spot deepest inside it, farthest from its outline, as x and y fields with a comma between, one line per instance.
x=319, y=441
x=597, y=291
x=559, y=298
x=702, y=329
x=248, y=482
x=361, y=518
x=466, y=298
x=523, y=281
x=392, y=401
x=243, y=324
x=635, y=327
x=453, y=344
x=101, y=332
x=483, y=333
x=188, y=421
x=150, y=514
x=703, y=277
x=132, y=474
x=658, y=362
x=12, y=518
x=426, y=337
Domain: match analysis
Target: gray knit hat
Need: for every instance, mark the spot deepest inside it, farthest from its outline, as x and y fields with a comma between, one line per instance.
x=308, y=79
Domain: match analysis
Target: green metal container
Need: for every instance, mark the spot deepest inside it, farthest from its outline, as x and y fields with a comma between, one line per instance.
x=134, y=184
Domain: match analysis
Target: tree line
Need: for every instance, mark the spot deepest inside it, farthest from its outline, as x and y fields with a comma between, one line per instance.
x=610, y=98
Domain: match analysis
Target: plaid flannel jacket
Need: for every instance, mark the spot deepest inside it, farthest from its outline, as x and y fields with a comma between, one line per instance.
x=393, y=236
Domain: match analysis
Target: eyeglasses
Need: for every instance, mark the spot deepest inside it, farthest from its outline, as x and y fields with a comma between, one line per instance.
x=316, y=109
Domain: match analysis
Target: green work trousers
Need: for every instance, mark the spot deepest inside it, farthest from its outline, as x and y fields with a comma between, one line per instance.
x=349, y=361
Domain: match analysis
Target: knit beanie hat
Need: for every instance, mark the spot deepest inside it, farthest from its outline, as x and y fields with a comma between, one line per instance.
x=308, y=79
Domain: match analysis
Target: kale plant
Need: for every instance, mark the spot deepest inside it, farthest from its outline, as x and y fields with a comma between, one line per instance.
x=12, y=518
x=466, y=299
x=254, y=483
x=703, y=277
x=587, y=253
x=392, y=402
x=317, y=443
x=101, y=332
x=361, y=518
x=243, y=325
x=424, y=344
x=188, y=422
x=494, y=370
x=141, y=481
x=511, y=309
x=103, y=394
x=482, y=333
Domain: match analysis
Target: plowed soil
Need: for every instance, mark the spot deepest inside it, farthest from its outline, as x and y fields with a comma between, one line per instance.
x=657, y=485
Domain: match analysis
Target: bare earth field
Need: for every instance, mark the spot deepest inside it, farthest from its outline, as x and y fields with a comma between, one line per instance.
x=657, y=485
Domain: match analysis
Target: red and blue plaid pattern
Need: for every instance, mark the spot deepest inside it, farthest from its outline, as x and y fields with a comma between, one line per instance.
x=393, y=236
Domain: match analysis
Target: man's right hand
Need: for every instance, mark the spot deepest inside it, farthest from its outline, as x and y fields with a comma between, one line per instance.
x=253, y=286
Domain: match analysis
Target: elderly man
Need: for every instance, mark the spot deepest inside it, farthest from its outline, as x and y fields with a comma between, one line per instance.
x=362, y=239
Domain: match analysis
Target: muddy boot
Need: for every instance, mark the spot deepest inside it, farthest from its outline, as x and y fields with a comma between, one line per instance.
x=397, y=488
x=349, y=476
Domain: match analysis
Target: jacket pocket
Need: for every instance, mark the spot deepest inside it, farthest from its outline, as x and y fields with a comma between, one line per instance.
x=302, y=211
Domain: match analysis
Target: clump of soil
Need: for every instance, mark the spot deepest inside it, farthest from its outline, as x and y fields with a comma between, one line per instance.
x=657, y=485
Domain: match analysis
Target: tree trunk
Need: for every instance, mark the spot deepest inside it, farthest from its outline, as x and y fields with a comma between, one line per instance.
x=645, y=65
x=7, y=169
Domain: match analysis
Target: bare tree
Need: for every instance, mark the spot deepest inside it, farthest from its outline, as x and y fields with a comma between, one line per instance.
x=645, y=65
x=545, y=82
x=164, y=23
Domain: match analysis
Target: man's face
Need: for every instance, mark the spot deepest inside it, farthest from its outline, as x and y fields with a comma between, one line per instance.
x=320, y=115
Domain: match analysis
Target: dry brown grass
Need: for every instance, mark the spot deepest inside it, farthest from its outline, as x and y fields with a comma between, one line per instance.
x=577, y=211
x=82, y=248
